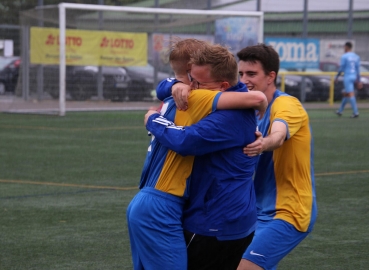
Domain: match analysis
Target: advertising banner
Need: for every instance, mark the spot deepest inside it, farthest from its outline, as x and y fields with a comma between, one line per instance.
x=331, y=50
x=161, y=43
x=296, y=53
x=6, y=47
x=83, y=47
x=237, y=33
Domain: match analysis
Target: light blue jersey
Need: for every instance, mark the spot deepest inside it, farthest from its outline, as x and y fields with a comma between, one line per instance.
x=350, y=63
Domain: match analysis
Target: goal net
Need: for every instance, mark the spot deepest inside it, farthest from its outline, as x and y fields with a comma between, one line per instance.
x=80, y=57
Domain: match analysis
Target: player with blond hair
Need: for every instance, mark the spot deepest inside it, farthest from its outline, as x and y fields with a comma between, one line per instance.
x=155, y=214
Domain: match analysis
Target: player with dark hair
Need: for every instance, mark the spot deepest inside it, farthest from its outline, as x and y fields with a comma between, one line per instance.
x=350, y=63
x=284, y=177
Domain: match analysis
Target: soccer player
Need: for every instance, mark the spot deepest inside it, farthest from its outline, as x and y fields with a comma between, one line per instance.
x=350, y=63
x=284, y=177
x=220, y=215
x=154, y=215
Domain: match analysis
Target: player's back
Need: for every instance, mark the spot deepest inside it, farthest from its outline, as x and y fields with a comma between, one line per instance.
x=222, y=200
x=350, y=63
x=164, y=169
x=156, y=158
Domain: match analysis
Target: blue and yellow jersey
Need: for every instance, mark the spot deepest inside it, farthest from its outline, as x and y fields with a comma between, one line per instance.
x=221, y=198
x=284, y=179
x=164, y=169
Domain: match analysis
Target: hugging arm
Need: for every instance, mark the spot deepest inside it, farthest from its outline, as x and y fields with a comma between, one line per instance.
x=164, y=88
x=227, y=100
x=243, y=100
x=274, y=140
x=216, y=132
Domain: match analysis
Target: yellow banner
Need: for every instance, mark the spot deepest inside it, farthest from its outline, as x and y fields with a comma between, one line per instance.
x=84, y=47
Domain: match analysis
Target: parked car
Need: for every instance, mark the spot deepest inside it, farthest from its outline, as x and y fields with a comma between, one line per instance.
x=119, y=83
x=321, y=85
x=51, y=79
x=83, y=84
x=365, y=64
x=133, y=82
x=329, y=66
x=142, y=81
x=293, y=85
x=9, y=72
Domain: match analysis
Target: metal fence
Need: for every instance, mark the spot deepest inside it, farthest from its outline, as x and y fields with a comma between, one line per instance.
x=38, y=83
x=115, y=53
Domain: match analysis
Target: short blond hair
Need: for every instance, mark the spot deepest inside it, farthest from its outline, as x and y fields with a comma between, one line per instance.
x=180, y=53
x=223, y=64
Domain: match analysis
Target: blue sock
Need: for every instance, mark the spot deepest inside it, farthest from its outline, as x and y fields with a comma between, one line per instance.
x=343, y=104
x=353, y=105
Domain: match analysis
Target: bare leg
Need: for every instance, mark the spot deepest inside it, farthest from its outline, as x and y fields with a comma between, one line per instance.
x=247, y=265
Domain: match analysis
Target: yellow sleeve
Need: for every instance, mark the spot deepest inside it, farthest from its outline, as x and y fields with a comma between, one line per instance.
x=200, y=104
x=289, y=110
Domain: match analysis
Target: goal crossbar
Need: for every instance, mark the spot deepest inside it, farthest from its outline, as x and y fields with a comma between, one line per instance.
x=62, y=28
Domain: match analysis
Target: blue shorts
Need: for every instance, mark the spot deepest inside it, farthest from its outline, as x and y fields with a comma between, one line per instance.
x=155, y=231
x=272, y=241
x=349, y=82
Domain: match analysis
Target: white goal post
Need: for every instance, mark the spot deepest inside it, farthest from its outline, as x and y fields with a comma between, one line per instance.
x=64, y=7
x=79, y=56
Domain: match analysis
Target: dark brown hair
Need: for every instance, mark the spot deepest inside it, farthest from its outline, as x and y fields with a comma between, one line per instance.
x=266, y=55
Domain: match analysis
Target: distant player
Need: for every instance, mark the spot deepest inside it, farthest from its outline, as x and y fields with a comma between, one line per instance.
x=350, y=63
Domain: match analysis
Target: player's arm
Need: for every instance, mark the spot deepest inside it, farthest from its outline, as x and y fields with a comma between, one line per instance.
x=212, y=133
x=178, y=89
x=243, y=100
x=180, y=93
x=359, y=84
x=287, y=116
x=227, y=100
x=341, y=67
x=274, y=140
x=150, y=112
x=164, y=88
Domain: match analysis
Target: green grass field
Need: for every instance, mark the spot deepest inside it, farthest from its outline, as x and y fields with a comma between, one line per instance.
x=65, y=183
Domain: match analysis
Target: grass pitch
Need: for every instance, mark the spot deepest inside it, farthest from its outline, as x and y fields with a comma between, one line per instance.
x=65, y=184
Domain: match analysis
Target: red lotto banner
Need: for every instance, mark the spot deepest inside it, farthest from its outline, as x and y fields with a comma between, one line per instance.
x=84, y=47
